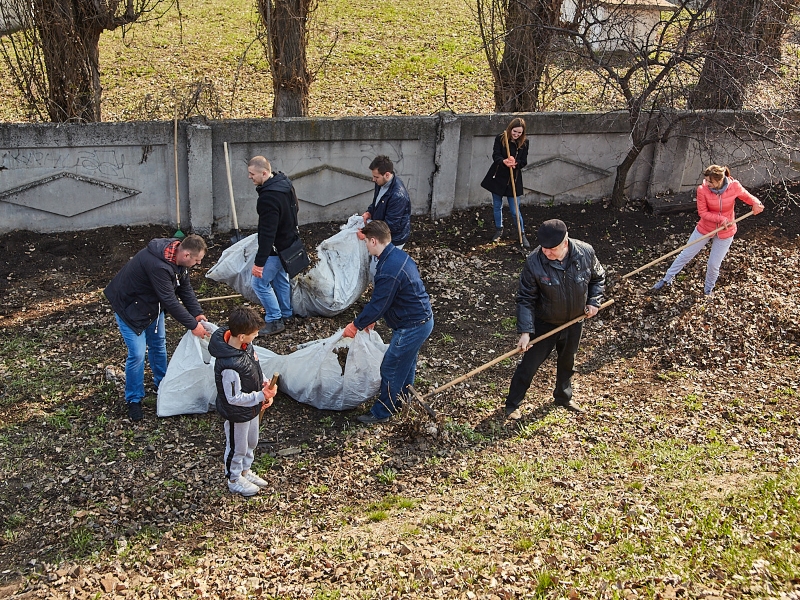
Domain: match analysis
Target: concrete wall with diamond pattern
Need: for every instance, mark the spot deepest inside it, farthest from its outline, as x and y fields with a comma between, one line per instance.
x=72, y=177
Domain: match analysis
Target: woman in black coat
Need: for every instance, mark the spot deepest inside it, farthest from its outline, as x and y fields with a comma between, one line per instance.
x=498, y=178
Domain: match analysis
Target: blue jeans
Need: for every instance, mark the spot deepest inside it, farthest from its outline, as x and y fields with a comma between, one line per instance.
x=152, y=342
x=273, y=290
x=719, y=248
x=497, y=203
x=399, y=367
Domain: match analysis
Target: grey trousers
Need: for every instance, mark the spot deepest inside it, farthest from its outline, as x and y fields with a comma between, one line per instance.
x=241, y=440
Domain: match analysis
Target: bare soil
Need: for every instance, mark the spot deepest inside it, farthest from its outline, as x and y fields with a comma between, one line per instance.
x=94, y=504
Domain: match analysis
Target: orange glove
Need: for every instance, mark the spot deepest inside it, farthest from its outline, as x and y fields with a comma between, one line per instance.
x=369, y=327
x=350, y=331
x=366, y=216
x=360, y=235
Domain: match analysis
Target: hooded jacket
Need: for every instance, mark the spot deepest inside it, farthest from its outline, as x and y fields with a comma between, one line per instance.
x=394, y=208
x=554, y=295
x=277, y=217
x=242, y=404
x=715, y=208
x=149, y=284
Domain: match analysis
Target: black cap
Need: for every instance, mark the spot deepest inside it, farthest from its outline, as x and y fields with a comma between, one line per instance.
x=551, y=233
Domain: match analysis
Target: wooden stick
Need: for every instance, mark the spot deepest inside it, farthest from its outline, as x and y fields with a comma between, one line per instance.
x=682, y=248
x=272, y=383
x=511, y=353
x=230, y=188
x=513, y=187
x=219, y=298
x=177, y=186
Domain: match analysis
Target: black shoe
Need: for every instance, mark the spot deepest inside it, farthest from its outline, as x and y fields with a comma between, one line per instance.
x=571, y=406
x=135, y=411
x=525, y=243
x=371, y=419
x=271, y=328
x=498, y=233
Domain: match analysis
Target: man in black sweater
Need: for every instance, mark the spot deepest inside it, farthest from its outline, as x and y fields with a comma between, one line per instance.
x=276, y=232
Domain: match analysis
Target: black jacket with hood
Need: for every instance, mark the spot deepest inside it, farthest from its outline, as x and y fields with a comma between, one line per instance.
x=251, y=377
x=554, y=295
x=149, y=284
x=277, y=217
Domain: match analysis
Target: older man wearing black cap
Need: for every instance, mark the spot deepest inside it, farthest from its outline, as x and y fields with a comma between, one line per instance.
x=562, y=280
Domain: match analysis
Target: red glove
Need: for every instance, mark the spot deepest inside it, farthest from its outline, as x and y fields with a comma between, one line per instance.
x=350, y=331
x=366, y=216
x=257, y=271
x=199, y=318
x=360, y=235
x=200, y=331
x=369, y=327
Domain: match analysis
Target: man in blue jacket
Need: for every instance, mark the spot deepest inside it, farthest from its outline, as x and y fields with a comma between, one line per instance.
x=399, y=297
x=561, y=280
x=390, y=203
x=154, y=281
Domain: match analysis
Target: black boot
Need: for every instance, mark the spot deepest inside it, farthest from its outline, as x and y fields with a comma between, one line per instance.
x=498, y=233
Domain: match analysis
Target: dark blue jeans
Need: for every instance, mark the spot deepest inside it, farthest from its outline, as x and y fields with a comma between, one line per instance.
x=566, y=344
x=399, y=367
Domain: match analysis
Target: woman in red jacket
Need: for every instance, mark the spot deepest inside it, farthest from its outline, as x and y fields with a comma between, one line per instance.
x=716, y=198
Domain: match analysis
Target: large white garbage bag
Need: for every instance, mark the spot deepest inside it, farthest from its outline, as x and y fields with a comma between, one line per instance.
x=235, y=265
x=339, y=277
x=311, y=375
x=333, y=284
x=188, y=387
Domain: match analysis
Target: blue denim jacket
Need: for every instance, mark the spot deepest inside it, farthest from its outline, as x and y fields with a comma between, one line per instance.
x=399, y=295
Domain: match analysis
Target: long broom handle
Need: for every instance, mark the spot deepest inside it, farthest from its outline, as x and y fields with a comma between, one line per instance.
x=219, y=298
x=175, y=154
x=512, y=353
x=230, y=187
x=682, y=248
x=513, y=187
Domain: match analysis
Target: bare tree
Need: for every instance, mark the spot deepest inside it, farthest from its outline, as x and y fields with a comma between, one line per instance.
x=741, y=47
x=286, y=25
x=646, y=61
x=517, y=38
x=55, y=59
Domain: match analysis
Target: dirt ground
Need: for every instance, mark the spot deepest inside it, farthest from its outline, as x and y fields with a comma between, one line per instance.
x=80, y=483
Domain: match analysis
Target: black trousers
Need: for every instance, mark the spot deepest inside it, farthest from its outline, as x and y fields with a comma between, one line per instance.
x=566, y=344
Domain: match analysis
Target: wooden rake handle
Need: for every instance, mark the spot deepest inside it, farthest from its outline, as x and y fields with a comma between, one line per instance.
x=513, y=187
x=682, y=248
x=511, y=353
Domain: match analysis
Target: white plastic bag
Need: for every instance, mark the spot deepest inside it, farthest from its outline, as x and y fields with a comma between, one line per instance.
x=312, y=375
x=188, y=387
x=235, y=265
x=338, y=278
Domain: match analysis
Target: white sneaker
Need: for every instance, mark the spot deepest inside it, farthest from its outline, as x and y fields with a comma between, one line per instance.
x=254, y=479
x=243, y=487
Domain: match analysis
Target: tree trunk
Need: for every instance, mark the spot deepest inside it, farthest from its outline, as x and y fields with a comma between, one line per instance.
x=528, y=40
x=618, y=199
x=743, y=43
x=287, y=24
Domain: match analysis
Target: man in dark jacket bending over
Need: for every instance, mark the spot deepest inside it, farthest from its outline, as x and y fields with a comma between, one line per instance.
x=154, y=281
x=276, y=231
x=562, y=280
x=399, y=297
